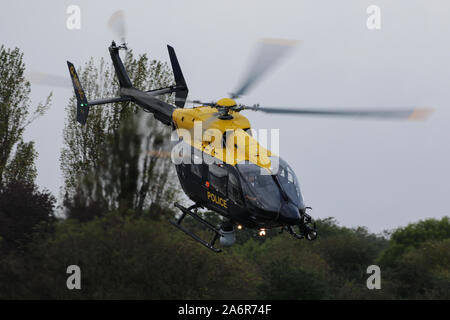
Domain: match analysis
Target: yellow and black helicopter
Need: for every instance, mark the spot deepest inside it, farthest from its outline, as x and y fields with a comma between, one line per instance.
x=226, y=170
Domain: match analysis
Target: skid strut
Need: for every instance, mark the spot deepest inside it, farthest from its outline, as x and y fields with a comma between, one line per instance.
x=306, y=228
x=193, y=214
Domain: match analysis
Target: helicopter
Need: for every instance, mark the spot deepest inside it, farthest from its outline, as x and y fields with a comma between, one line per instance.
x=244, y=189
x=253, y=188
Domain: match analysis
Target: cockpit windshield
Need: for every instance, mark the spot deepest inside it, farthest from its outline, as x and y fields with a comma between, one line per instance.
x=262, y=188
x=287, y=180
x=259, y=189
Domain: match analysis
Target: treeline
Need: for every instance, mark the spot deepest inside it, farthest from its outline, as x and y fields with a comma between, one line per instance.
x=119, y=193
x=143, y=257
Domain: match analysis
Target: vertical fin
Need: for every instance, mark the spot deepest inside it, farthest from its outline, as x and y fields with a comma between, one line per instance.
x=182, y=92
x=82, y=102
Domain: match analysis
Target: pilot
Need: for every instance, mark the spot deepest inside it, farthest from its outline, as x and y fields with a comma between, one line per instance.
x=251, y=180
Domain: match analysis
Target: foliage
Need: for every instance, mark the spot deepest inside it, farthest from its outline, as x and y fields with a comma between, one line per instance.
x=417, y=260
x=412, y=236
x=129, y=258
x=286, y=281
x=24, y=210
x=21, y=167
x=349, y=253
x=15, y=117
x=114, y=161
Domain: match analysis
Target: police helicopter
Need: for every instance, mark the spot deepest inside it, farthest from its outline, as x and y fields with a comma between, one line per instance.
x=226, y=170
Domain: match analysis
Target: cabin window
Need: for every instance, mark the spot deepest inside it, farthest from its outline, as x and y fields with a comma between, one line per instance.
x=218, y=178
x=196, y=166
x=234, y=190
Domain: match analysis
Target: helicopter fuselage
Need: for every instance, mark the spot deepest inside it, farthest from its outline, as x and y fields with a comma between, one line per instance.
x=214, y=155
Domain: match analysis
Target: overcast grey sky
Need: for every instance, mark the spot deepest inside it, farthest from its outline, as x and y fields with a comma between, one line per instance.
x=380, y=174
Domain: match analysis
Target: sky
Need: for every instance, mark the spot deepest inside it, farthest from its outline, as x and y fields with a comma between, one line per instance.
x=378, y=174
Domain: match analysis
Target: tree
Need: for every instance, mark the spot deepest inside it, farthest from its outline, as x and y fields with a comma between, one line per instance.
x=413, y=236
x=285, y=280
x=14, y=118
x=421, y=272
x=350, y=253
x=114, y=162
x=417, y=260
x=24, y=210
x=126, y=258
x=21, y=167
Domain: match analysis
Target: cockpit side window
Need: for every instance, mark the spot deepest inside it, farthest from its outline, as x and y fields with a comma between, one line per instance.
x=196, y=165
x=234, y=190
x=218, y=178
x=289, y=183
x=259, y=189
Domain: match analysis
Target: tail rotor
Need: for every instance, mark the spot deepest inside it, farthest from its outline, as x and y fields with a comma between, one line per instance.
x=118, y=27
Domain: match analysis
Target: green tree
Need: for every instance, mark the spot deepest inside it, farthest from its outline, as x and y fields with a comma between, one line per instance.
x=285, y=280
x=417, y=260
x=21, y=167
x=24, y=211
x=413, y=236
x=126, y=258
x=16, y=156
x=350, y=252
x=421, y=272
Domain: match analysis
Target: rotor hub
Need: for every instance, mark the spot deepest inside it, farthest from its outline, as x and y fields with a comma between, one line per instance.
x=226, y=103
x=224, y=106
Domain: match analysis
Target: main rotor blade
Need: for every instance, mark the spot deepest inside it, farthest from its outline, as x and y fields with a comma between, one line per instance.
x=268, y=53
x=47, y=79
x=407, y=113
x=117, y=25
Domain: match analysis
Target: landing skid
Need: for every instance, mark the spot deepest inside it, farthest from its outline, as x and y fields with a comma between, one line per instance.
x=192, y=211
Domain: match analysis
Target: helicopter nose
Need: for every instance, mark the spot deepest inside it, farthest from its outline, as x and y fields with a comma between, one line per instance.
x=289, y=214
